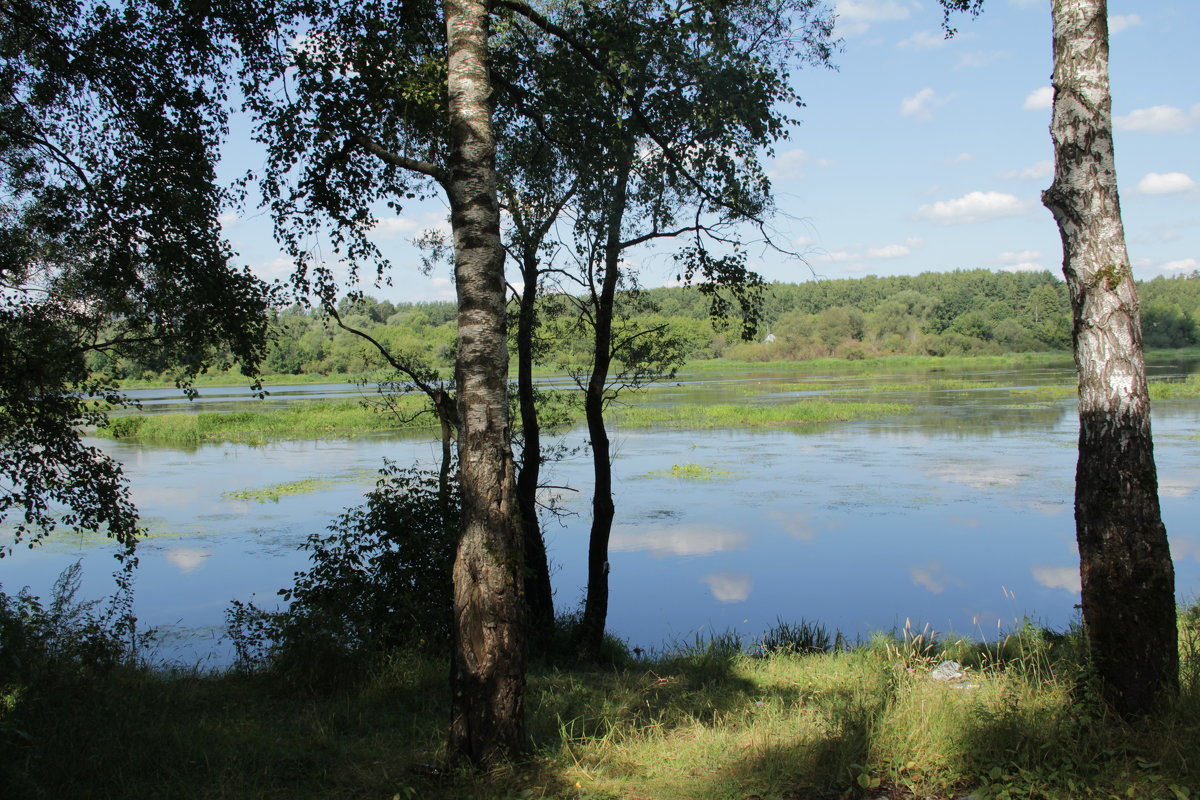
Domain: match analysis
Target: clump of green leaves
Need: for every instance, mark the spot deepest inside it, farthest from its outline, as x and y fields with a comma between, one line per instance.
x=46, y=641
x=380, y=579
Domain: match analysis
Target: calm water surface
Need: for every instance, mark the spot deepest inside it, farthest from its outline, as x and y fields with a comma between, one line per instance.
x=958, y=516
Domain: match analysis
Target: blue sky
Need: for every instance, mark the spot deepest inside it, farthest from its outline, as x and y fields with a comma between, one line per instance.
x=922, y=154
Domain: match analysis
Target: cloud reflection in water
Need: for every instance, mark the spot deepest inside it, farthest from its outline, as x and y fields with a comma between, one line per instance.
x=678, y=540
x=187, y=559
x=729, y=587
x=1065, y=578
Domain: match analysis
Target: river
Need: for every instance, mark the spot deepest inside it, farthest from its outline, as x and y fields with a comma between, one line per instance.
x=958, y=516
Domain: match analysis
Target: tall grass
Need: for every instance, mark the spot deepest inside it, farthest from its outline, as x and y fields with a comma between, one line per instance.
x=704, y=720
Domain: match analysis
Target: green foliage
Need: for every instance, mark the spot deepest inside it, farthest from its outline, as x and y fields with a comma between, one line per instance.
x=110, y=245
x=379, y=580
x=60, y=640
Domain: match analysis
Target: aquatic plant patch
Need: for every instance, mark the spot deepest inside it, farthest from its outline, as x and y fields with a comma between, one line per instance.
x=690, y=472
x=726, y=415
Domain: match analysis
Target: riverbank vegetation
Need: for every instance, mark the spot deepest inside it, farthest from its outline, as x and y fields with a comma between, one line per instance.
x=838, y=401
x=723, y=717
x=962, y=313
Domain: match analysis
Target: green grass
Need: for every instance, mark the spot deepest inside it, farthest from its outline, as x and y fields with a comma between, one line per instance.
x=313, y=419
x=706, y=721
x=805, y=412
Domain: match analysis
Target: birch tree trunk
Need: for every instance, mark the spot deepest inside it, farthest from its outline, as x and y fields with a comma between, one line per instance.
x=1125, y=563
x=488, y=663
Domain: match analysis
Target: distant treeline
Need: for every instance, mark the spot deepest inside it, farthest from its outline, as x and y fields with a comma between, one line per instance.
x=966, y=312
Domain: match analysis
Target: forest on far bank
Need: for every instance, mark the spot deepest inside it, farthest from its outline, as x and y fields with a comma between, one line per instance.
x=960, y=313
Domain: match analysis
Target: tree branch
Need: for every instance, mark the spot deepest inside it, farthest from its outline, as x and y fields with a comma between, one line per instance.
x=404, y=162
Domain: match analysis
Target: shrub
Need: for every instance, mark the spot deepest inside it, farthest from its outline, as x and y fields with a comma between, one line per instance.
x=44, y=642
x=379, y=580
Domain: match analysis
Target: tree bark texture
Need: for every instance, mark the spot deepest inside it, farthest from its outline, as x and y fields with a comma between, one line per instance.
x=488, y=662
x=1128, y=580
x=595, y=608
x=539, y=594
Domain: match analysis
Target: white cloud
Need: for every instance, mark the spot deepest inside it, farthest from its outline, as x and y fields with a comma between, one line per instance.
x=729, y=587
x=804, y=241
x=888, y=251
x=1182, y=265
x=979, y=59
x=789, y=164
x=1034, y=172
x=1022, y=261
x=961, y=158
x=1123, y=22
x=1158, y=119
x=1065, y=578
x=914, y=241
x=923, y=40
x=837, y=256
x=279, y=267
x=922, y=104
x=856, y=16
x=1018, y=257
x=680, y=540
x=1165, y=183
x=228, y=219
x=973, y=207
x=390, y=226
x=1039, y=99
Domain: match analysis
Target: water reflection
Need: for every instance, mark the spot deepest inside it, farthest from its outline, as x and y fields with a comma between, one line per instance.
x=1066, y=578
x=729, y=587
x=957, y=515
x=933, y=577
x=188, y=559
x=678, y=540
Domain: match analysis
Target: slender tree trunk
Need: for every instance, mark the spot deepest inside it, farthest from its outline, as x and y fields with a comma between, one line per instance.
x=595, y=609
x=539, y=595
x=1125, y=562
x=488, y=663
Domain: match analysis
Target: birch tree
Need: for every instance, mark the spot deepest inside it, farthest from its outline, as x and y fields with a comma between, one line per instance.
x=1128, y=580
x=368, y=103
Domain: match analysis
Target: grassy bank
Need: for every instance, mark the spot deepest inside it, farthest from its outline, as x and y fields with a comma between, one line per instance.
x=318, y=419
x=708, y=721
x=313, y=419
x=814, y=366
